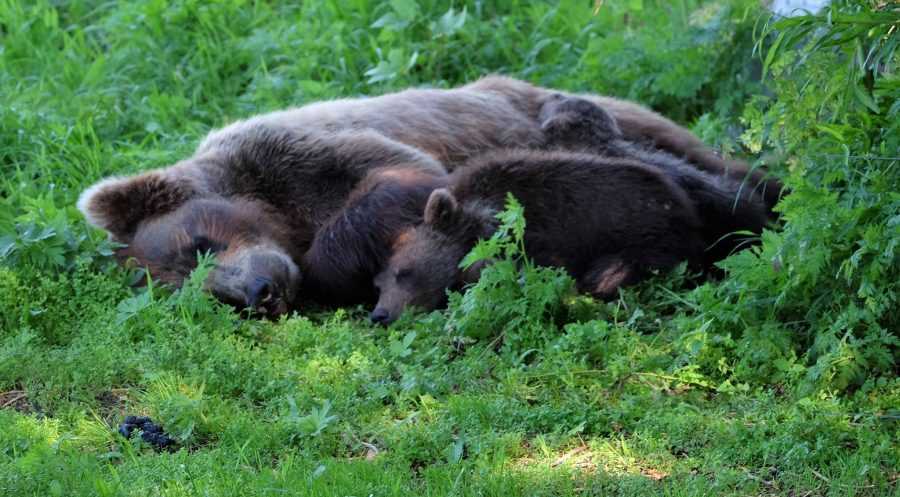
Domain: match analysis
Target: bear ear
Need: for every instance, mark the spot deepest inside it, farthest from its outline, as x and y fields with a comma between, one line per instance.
x=118, y=205
x=441, y=208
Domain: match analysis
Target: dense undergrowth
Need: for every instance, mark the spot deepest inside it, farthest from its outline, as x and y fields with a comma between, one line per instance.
x=778, y=379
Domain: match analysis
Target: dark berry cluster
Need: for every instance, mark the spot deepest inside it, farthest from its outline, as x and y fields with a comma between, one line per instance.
x=151, y=433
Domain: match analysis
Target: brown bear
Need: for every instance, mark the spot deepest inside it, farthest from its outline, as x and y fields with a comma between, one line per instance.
x=608, y=221
x=728, y=207
x=256, y=191
x=351, y=248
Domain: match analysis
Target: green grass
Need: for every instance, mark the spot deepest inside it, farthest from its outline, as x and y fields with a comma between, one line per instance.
x=780, y=379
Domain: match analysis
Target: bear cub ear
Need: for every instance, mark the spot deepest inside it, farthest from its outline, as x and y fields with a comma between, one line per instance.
x=118, y=205
x=441, y=208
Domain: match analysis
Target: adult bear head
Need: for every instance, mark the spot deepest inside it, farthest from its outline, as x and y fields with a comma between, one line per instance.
x=167, y=217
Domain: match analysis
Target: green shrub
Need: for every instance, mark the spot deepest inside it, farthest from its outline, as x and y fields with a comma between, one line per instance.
x=820, y=295
x=513, y=301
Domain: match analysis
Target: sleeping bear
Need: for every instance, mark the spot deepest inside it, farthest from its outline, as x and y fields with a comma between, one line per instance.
x=728, y=206
x=352, y=247
x=255, y=192
x=608, y=222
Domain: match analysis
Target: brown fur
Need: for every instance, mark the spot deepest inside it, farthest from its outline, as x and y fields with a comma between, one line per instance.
x=725, y=204
x=293, y=170
x=608, y=222
x=353, y=246
x=251, y=251
x=638, y=124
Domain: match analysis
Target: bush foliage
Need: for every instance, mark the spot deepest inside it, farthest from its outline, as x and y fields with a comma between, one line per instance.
x=780, y=378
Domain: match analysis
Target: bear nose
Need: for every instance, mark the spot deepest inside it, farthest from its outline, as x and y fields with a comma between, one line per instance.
x=262, y=295
x=380, y=316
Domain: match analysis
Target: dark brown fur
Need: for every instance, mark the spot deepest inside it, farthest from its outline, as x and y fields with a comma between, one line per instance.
x=291, y=171
x=354, y=245
x=251, y=245
x=608, y=222
x=639, y=125
x=726, y=205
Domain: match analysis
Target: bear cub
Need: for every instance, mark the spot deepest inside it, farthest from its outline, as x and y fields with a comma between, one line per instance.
x=608, y=221
x=726, y=203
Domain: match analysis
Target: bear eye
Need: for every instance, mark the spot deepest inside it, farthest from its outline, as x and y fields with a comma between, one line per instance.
x=404, y=274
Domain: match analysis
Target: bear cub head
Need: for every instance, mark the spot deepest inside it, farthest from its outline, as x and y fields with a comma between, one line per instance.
x=166, y=221
x=424, y=261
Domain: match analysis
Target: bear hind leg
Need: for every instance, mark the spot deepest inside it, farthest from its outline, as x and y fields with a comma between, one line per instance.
x=606, y=275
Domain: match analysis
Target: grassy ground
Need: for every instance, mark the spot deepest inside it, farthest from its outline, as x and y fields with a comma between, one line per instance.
x=781, y=379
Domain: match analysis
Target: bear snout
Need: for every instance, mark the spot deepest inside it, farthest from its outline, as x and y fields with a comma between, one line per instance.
x=262, y=281
x=264, y=297
x=381, y=316
x=260, y=296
